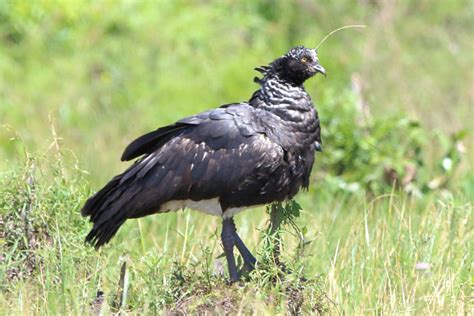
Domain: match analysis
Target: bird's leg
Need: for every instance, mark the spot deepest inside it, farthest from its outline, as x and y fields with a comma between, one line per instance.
x=249, y=259
x=228, y=242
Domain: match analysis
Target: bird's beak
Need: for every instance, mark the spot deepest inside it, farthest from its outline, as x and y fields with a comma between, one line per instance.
x=320, y=69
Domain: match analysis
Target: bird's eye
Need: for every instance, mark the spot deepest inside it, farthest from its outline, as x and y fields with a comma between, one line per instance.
x=304, y=59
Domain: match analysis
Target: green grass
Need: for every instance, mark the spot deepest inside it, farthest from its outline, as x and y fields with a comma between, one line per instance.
x=78, y=82
x=362, y=256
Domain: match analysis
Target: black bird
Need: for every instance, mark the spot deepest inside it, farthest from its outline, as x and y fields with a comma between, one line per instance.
x=221, y=161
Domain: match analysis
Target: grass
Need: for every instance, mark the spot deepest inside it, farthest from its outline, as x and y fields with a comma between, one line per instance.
x=389, y=254
x=78, y=82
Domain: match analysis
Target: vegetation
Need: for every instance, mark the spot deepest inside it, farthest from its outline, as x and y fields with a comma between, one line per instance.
x=386, y=226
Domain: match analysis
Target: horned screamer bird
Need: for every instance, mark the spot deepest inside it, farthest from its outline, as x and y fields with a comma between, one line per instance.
x=221, y=161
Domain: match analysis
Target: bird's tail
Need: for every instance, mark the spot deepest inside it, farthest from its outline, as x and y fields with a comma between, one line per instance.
x=111, y=206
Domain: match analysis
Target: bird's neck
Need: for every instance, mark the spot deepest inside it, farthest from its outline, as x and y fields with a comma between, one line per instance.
x=278, y=94
x=288, y=108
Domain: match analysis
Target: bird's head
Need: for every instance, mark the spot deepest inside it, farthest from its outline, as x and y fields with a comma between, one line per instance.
x=298, y=65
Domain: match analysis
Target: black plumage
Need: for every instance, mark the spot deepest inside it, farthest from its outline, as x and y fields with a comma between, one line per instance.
x=222, y=160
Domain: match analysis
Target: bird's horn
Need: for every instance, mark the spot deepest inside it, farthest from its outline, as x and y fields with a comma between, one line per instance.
x=337, y=30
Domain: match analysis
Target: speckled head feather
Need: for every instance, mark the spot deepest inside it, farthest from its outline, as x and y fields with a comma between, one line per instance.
x=295, y=67
x=298, y=65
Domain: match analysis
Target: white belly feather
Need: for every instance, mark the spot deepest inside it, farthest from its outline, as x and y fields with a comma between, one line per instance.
x=211, y=206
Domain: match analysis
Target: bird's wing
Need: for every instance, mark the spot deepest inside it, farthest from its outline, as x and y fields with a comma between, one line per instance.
x=213, y=154
x=151, y=141
x=218, y=151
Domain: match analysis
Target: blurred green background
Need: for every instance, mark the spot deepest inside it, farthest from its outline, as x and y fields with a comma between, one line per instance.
x=394, y=186
x=105, y=72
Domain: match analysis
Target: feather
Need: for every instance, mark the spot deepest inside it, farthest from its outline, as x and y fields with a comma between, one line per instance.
x=150, y=141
